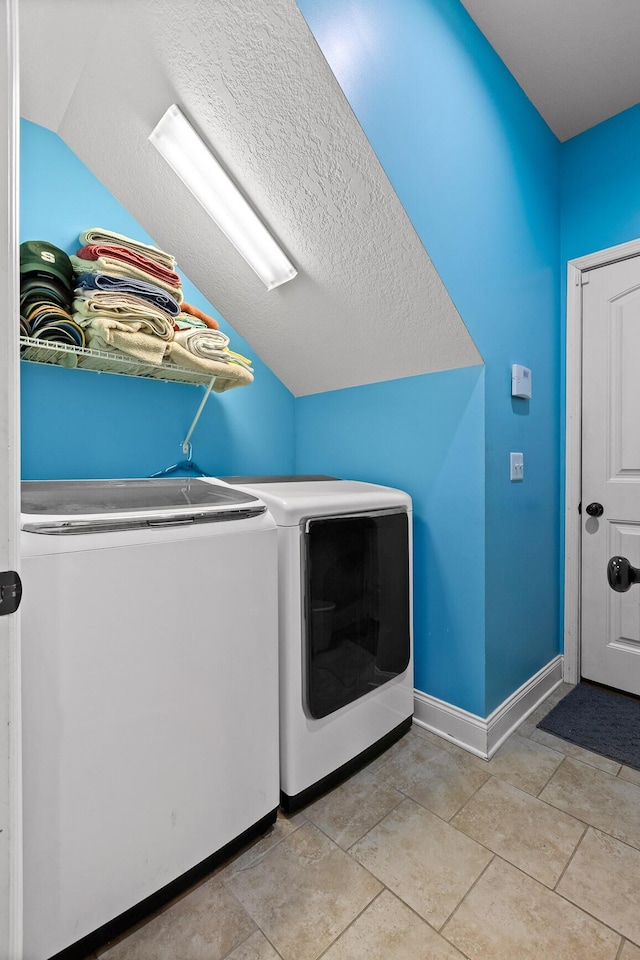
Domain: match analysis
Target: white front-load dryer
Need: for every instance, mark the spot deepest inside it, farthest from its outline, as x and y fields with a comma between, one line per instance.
x=345, y=625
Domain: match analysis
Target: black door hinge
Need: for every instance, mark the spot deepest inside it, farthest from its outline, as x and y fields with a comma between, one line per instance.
x=580, y=507
x=10, y=592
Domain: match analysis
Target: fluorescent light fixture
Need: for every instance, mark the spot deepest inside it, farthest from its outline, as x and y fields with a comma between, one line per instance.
x=191, y=159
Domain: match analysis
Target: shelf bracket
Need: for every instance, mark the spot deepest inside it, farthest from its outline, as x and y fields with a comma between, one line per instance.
x=186, y=443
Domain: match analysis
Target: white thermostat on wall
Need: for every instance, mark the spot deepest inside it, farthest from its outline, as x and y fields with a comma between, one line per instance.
x=520, y=381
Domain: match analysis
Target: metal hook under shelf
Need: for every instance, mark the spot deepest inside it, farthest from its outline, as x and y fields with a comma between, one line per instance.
x=186, y=443
x=187, y=448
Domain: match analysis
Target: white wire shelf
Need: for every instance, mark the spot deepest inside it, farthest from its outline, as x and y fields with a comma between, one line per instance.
x=101, y=361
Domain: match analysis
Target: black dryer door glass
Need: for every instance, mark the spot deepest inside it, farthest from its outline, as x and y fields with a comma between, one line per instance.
x=356, y=607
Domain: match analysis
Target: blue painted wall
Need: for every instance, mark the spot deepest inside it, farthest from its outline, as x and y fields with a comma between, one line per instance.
x=421, y=434
x=600, y=201
x=77, y=424
x=601, y=186
x=477, y=170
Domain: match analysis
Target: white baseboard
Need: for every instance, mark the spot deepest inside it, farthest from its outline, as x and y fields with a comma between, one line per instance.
x=483, y=736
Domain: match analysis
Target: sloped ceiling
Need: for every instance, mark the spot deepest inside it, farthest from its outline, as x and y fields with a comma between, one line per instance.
x=367, y=304
x=577, y=62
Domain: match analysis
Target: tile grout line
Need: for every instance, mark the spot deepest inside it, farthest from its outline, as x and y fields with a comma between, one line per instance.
x=502, y=856
x=578, y=906
x=277, y=952
x=572, y=816
x=406, y=797
x=237, y=946
x=590, y=766
x=348, y=849
x=227, y=874
x=587, y=823
x=625, y=843
x=402, y=746
x=550, y=778
x=570, y=860
x=351, y=845
x=607, y=926
x=437, y=931
x=552, y=806
x=467, y=801
x=566, y=900
x=246, y=912
x=351, y=923
x=619, y=776
x=362, y=867
x=440, y=929
x=589, y=763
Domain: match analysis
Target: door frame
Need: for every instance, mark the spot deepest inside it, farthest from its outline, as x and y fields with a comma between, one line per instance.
x=11, y=912
x=573, y=447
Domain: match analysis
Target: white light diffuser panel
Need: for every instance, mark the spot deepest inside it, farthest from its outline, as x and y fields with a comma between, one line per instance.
x=193, y=162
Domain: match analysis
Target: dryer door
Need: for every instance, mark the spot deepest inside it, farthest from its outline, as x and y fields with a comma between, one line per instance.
x=357, y=616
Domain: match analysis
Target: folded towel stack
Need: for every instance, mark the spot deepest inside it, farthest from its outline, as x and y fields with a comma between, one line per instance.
x=119, y=262
x=127, y=294
x=128, y=298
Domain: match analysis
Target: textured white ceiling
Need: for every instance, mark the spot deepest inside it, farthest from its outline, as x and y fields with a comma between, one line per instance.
x=367, y=304
x=578, y=61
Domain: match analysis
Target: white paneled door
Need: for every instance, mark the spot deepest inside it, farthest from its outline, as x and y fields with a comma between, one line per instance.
x=10, y=794
x=611, y=472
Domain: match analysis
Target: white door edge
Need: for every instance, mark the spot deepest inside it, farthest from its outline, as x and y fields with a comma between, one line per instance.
x=11, y=914
x=573, y=442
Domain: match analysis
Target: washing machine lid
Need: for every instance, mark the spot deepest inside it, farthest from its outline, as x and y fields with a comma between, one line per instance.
x=90, y=506
x=292, y=500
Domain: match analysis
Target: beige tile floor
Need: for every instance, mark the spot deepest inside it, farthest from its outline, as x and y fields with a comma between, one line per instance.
x=430, y=854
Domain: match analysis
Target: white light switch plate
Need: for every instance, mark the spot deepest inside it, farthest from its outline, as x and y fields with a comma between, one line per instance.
x=517, y=466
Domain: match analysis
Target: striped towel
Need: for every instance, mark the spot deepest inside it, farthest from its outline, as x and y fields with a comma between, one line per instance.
x=116, y=268
x=97, y=235
x=130, y=257
x=138, y=288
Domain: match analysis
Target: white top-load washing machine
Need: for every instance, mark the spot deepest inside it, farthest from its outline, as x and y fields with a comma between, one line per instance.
x=346, y=653
x=150, y=696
